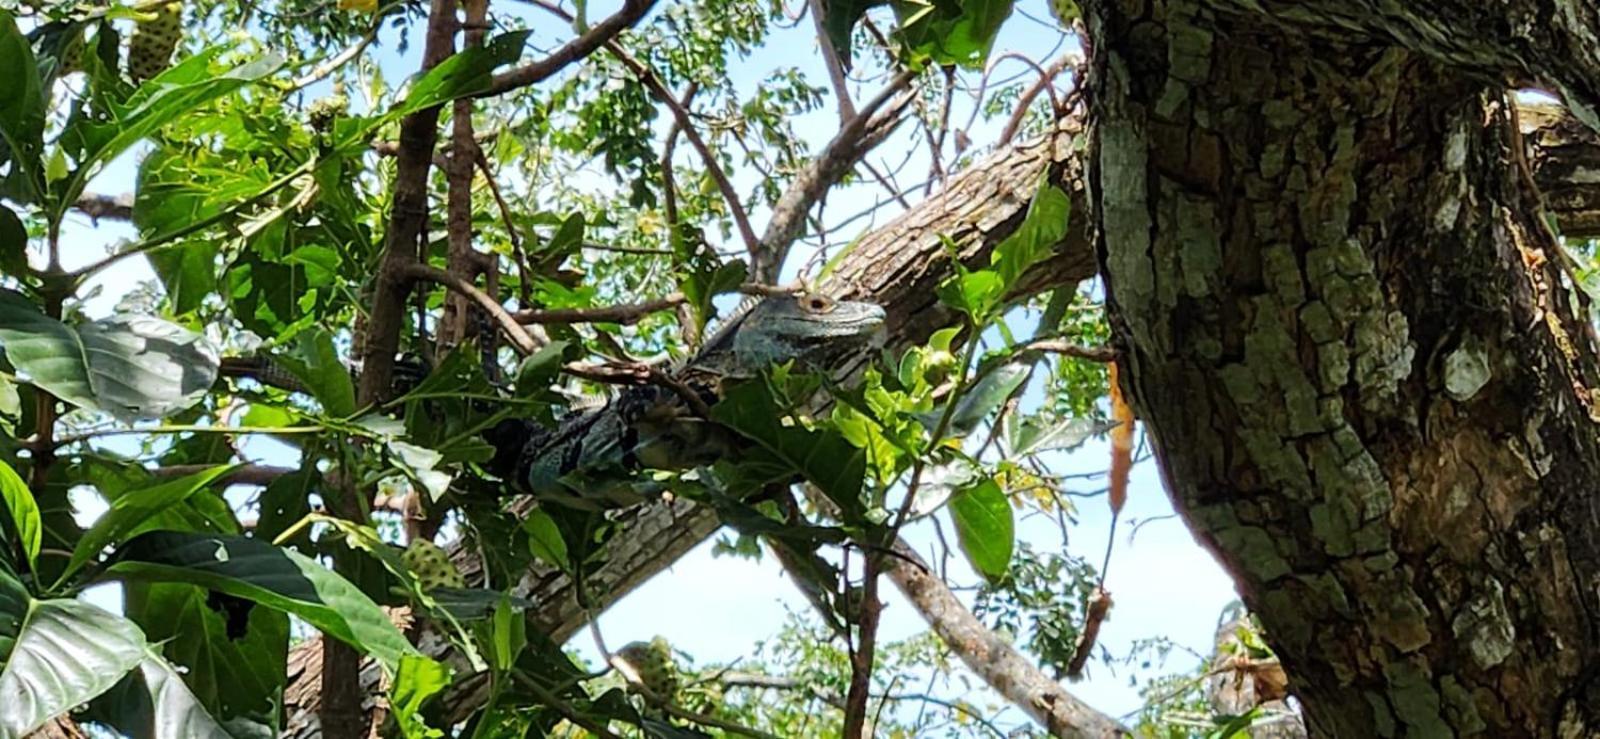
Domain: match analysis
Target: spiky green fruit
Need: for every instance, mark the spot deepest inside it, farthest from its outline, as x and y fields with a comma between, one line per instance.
x=154, y=39
x=432, y=566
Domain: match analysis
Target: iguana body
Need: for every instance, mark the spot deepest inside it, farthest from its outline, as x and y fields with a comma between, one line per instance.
x=653, y=426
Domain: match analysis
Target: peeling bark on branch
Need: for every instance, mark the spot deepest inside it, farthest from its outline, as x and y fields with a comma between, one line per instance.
x=1335, y=306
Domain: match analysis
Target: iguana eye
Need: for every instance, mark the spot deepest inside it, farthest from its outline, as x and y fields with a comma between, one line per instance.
x=818, y=304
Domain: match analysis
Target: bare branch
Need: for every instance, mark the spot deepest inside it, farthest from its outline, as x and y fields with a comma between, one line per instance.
x=876, y=120
x=332, y=65
x=1046, y=76
x=830, y=55
x=598, y=35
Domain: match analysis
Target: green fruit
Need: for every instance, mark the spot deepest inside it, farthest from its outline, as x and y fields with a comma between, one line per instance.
x=432, y=566
x=154, y=39
x=1065, y=11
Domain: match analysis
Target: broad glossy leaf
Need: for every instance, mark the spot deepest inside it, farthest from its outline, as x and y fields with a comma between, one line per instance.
x=271, y=576
x=839, y=20
x=174, y=709
x=985, y=528
x=67, y=653
x=132, y=509
x=24, y=512
x=950, y=31
x=473, y=604
x=22, y=101
x=988, y=394
x=941, y=481
x=1042, y=229
x=14, y=602
x=133, y=367
x=316, y=364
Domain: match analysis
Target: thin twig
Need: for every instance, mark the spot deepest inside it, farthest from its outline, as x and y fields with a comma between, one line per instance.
x=835, y=64
x=332, y=65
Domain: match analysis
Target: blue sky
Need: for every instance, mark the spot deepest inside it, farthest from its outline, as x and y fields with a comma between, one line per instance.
x=717, y=609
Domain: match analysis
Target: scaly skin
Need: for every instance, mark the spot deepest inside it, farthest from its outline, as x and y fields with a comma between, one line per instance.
x=652, y=426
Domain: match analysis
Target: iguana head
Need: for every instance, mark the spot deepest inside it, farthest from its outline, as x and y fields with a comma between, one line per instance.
x=808, y=329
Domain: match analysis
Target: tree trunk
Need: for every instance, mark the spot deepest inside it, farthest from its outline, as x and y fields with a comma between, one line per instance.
x=1343, y=320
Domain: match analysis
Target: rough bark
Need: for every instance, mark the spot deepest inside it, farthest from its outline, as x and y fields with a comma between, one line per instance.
x=1342, y=320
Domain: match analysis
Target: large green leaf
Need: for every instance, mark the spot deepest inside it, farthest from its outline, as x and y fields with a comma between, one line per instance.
x=985, y=527
x=233, y=659
x=133, y=367
x=22, y=104
x=1044, y=226
x=174, y=711
x=24, y=512
x=174, y=93
x=822, y=456
x=951, y=31
x=274, y=577
x=66, y=653
x=134, y=508
x=316, y=364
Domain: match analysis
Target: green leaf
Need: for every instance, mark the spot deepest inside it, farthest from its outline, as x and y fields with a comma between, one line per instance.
x=822, y=456
x=174, y=709
x=976, y=294
x=133, y=367
x=316, y=364
x=1031, y=436
x=465, y=74
x=274, y=577
x=510, y=634
x=14, y=603
x=839, y=18
x=418, y=679
x=176, y=92
x=22, y=103
x=1042, y=229
x=985, y=527
x=132, y=509
x=24, y=513
x=544, y=539
x=988, y=394
x=567, y=238
x=188, y=273
x=13, y=244
x=951, y=31
x=66, y=653
x=234, y=661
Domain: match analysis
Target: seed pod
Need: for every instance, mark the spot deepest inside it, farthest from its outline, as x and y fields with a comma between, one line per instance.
x=154, y=39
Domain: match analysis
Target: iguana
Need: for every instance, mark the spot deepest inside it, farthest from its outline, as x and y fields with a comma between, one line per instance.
x=654, y=426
